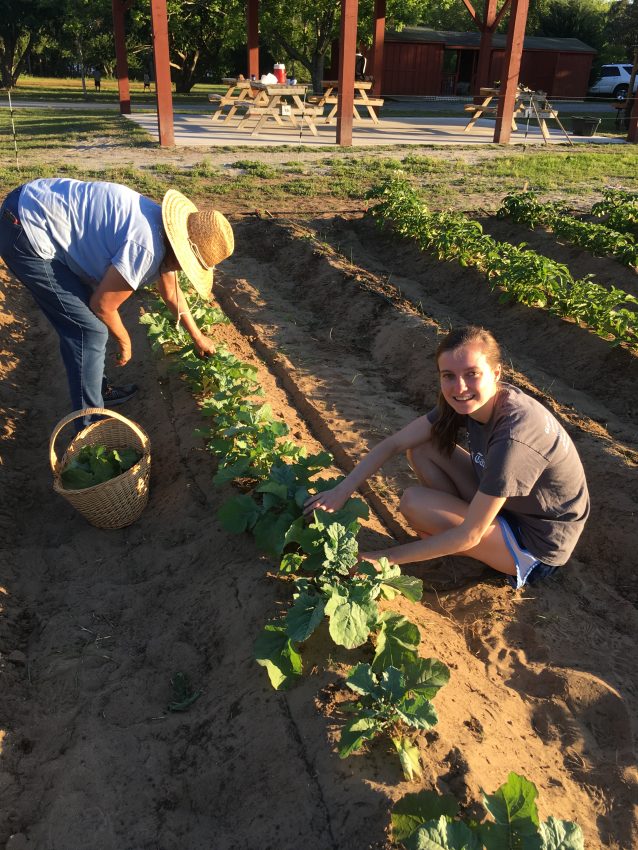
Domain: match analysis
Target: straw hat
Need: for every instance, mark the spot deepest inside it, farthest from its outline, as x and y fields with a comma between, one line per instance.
x=199, y=238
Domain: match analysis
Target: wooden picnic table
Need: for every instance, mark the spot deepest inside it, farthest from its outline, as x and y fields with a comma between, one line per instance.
x=330, y=97
x=280, y=103
x=487, y=107
x=230, y=98
x=527, y=104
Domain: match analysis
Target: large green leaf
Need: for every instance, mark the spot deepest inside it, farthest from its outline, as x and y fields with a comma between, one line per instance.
x=443, y=835
x=340, y=548
x=561, y=835
x=270, y=533
x=408, y=586
x=418, y=712
x=426, y=676
x=513, y=808
x=355, y=734
x=397, y=642
x=275, y=651
x=361, y=680
x=304, y=616
x=239, y=514
x=350, y=619
x=412, y=810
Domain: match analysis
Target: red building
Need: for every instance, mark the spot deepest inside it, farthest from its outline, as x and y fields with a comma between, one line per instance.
x=421, y=61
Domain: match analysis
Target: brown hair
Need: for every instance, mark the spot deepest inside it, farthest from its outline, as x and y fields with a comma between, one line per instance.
x=448, y=422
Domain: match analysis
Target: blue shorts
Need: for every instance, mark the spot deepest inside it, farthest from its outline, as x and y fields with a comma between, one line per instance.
x=529, y=569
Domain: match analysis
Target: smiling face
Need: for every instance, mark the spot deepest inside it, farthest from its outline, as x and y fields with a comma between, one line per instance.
x=468, y=382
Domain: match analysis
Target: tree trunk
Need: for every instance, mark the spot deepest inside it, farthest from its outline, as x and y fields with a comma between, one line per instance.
x=78, y=44
x=316, y=71
x=10, y=68
x=185, y=79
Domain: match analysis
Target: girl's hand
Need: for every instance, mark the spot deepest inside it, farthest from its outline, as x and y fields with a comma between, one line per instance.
x=330, y=501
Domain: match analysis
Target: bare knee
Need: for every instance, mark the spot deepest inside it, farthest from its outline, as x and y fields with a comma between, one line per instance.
x=411, y=504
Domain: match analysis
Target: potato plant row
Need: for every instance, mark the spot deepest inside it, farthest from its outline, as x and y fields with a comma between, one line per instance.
x=392, y=694
x=619, y=208
x=525, y=208
x=520, y=274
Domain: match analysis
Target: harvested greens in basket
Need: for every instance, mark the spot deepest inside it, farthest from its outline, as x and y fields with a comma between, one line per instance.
x=96, y=464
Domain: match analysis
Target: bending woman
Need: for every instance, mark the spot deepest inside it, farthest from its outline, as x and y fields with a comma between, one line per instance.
x=517, y=501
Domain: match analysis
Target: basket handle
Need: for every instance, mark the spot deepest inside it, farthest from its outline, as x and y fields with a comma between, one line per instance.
x=89, y=411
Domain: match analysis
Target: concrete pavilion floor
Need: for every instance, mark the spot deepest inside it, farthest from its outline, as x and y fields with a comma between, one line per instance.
x=198, y=130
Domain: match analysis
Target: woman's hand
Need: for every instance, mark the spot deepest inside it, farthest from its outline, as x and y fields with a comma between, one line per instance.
x=204, y=346
x=330, y=501
x=124, y=354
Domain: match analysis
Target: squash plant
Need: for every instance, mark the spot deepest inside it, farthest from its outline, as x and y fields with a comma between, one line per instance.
x=390, y=703
x=431, y=821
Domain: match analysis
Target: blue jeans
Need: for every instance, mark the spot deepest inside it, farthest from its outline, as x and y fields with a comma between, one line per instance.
x=64, y=299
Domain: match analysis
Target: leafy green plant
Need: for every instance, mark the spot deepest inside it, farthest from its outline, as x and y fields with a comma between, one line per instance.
x=620, y=210
x=525, y=208
x=430, y=821
x=95, y=464
x=388, y=703
x=520, y=274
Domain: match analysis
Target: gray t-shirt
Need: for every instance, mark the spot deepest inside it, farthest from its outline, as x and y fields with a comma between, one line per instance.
x=91, y=226
x=525, y=455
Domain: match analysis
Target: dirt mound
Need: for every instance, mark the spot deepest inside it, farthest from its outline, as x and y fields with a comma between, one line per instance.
x=543, y=681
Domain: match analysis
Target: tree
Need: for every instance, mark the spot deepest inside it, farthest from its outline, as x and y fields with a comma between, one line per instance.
x=305, y=32
x=22, y=23
x=583, y=19
x=622, y=29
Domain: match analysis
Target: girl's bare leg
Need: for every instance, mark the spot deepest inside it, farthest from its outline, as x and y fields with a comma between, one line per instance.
x=449, y=484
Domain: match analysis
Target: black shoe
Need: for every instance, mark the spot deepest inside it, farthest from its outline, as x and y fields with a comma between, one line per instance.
x=118, y=395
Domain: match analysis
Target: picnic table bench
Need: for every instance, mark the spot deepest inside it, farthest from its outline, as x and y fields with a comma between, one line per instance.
x=330, y=98
x=282, y=104
x=229, y=98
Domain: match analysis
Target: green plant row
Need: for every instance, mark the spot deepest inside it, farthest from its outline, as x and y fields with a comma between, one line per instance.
x=431, y=821
x=525, y=208
x=521, y=275
x=318, y=555
x=619, y=208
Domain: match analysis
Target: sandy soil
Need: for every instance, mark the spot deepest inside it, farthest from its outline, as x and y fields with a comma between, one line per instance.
x=342, y=322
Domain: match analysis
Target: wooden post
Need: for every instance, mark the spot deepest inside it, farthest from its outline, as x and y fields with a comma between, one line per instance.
x=159, y=20
x=378, y=41
x=511, y=71
x=252, y=28
x=121, y=62
x=632, y=102
x=485, y=48
x=348, y=49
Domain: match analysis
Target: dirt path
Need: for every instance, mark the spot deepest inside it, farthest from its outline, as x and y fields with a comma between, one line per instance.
x=543, y=682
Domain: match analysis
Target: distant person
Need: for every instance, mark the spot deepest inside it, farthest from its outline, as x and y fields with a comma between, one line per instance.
x=82, y=249
x=97, y=79
x=516, y=501
x=147, y=82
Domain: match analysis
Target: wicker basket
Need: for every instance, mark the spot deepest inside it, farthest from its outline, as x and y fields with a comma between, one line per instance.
x=120, y=501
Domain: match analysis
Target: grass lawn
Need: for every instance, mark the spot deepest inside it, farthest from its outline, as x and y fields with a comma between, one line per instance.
x=467, y=178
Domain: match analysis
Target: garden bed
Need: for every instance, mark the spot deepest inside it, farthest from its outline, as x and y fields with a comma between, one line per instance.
x=342, y=321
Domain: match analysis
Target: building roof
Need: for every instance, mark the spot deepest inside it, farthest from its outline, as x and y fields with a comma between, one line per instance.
x=472, y=40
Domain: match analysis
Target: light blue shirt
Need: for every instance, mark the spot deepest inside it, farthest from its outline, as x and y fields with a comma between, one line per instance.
x=91, y=226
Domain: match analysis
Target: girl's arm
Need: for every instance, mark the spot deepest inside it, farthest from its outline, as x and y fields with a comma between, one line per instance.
x=481, y=513
x=417, y=432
